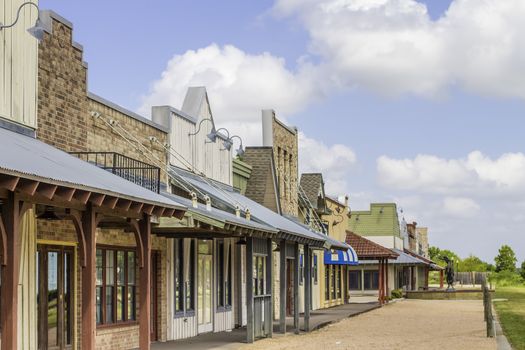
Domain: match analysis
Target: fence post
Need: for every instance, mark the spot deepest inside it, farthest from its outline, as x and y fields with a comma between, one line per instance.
x=489, y=317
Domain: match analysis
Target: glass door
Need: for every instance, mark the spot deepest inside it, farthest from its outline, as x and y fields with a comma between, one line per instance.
x=204, y=287
x=54, y=297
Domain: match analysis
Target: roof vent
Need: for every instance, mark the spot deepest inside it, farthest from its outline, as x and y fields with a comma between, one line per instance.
x=194, y=201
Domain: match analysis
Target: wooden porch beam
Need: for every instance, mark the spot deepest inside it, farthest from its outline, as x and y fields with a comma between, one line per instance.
x=10, y=273
x=144, y=283
x=124, y=204
x=136, y=207
x=66, y=193
x=89, y=226
x=250, y=325
x=110, y=202
x=296, y=289
x=76, y=217
x=3, y=242
x=148, y=209
x=307, y=287
x=282, y=286
x=9, y=182
x=46, y=190
x=97, y=199
x=27, y=186
x=158, y=211
x=82, y=196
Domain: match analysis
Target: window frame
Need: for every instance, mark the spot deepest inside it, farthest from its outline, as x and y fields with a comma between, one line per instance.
x=126, y=318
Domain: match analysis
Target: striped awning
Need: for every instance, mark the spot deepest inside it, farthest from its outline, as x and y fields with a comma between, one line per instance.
x=341, y=257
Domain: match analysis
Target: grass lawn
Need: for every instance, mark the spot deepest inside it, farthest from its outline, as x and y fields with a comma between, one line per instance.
x=512, y=314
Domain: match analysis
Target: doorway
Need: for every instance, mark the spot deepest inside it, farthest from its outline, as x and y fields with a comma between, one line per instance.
x=204, y=286
x=55, y=297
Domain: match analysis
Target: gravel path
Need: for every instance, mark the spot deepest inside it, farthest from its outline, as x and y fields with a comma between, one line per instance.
x=409, y=324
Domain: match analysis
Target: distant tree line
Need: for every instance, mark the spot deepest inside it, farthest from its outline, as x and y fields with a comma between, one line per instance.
x=503, y=271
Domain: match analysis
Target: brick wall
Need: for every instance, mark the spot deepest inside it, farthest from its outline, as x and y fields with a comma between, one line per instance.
x=65, y=122
x=62, y=103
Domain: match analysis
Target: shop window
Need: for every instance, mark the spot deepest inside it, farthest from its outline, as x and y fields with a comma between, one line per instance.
x=190, y=277
x=223, y=274
x=327, y=282
x=332, y=274
x=301, y=269
x=178, y=249
x=115, y=285
x=338, y=281
x=371, y=280
x=355, y=280
x=259, y=275
x=315, y=269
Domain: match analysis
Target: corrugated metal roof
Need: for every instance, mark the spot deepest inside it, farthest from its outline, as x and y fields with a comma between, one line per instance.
x=230, y=197
x=220, y=215
x=28, y=157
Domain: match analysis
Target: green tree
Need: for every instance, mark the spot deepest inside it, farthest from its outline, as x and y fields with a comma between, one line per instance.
x=473, y=264
x=523, y=270
x=506, y=259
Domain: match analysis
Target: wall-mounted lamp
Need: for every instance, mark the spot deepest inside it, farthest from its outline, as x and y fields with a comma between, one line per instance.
x=240, y=150
x=199, y=128
x=212, y=136
x=37, y=31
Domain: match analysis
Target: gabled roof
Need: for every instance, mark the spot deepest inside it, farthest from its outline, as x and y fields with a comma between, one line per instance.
x=28, y=158
x=195, y=97
x=262, y=185
x=380, y=220
x=368, y=250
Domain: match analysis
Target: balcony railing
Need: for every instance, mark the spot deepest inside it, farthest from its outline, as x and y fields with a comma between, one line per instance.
x=140, y=173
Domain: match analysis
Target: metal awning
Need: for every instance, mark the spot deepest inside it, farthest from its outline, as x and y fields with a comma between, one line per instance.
x=34, y=167
x=403, y=259
x=341, y=257
x=230, y=198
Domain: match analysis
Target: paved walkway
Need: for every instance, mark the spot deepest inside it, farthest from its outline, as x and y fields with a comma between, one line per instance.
x=237, y=338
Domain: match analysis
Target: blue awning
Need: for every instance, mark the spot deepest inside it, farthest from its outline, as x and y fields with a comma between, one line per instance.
x=341, y=257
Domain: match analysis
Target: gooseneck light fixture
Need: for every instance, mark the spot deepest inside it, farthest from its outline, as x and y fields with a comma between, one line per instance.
x=240, y=150
x=36, y=31
x=199, y=128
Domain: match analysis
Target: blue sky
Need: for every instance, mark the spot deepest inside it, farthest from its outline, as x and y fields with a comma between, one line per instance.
x=444, y=105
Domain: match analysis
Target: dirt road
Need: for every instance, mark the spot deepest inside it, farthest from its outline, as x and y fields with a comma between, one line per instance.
x=409, y=324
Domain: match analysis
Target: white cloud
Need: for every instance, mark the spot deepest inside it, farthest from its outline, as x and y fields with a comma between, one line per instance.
x=460, y=207
x=334, y=162
x=239, y=85
x=394, y=47
x=476, y=174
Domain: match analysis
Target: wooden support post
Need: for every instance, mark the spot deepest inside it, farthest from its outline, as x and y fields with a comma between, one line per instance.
x=441, y=279
x=10, y=273
x=282, y=287
x=380, y=267
x=89, y=226
x=268, y=316
x=296, y=289
x=387, y=291
x=307, y=287
x=144, y=283
x=250, y=329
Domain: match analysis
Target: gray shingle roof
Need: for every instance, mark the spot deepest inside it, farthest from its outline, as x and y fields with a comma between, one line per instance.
x=311, y=184
x=28, y=157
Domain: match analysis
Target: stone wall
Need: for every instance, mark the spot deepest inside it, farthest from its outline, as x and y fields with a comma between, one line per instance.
x=286, y=153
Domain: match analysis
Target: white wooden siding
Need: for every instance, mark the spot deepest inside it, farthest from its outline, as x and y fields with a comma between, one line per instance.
x=18, y=64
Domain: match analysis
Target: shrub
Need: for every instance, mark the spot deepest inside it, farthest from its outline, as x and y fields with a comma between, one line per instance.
x=506, y=279
x=397, y=293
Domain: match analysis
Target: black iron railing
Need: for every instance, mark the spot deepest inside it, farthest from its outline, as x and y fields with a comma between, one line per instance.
x=140, y=173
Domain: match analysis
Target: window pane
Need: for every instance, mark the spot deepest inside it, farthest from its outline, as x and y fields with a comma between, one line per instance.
x=109, y=304
x=110, y=267
x=131, y=302
x=120, y=302
x=120, y=268
x=191, y=277
x=220, y=273
x=131, y=268
x=98, y=300
x=99, y=267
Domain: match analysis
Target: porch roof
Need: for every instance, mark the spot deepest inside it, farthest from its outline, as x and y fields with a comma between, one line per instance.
x=402, y=259
x=216, y=217
x=230, y=198
x=50, y=169
x=368, y=250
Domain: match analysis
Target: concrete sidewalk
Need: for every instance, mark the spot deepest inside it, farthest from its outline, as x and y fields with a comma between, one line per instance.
x=237, y=337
